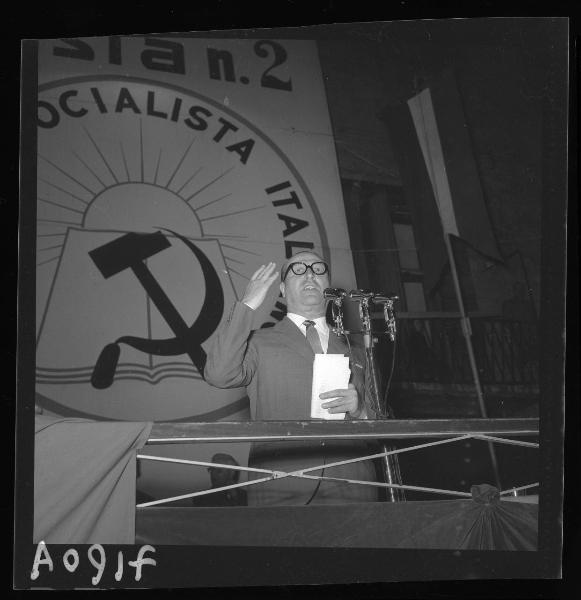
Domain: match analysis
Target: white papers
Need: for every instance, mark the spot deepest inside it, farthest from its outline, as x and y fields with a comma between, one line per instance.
x=330, y=372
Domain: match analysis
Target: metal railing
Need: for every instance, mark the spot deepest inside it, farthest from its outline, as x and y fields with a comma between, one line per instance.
x=450, y=430
x=433, y=349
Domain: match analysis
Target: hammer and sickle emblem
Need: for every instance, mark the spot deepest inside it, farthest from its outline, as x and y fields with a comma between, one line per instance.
x=130, y=252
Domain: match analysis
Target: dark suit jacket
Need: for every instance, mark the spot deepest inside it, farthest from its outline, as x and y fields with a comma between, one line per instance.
x=276, y=365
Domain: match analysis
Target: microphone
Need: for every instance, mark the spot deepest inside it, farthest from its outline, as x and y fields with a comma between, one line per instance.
x=334, y=293
x=375, y=296
x=380, y=297
x=360, y=294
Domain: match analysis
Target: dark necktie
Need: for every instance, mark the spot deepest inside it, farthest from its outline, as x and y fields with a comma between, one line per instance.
x=313, y=337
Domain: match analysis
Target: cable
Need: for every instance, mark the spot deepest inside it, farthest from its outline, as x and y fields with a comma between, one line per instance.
x=388, y=384
x=318, y=484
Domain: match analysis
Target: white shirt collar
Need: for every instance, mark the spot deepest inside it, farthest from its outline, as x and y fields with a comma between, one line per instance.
x=298, y=320
x=320, y=325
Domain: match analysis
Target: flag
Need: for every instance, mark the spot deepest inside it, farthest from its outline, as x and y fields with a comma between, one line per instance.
x=432, y=142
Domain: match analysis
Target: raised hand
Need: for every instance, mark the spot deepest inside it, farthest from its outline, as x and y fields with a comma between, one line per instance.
x=258, y=285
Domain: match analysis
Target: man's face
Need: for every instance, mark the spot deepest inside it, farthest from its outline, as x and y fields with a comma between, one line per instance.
x=304, y=293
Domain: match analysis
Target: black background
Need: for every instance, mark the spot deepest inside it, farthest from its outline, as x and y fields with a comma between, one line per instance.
x=185, y=567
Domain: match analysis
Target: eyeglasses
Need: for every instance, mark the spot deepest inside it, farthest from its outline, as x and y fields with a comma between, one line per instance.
x=300, y=268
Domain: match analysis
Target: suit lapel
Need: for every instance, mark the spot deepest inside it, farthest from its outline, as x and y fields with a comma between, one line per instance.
x=337, y=344
x=292, y=337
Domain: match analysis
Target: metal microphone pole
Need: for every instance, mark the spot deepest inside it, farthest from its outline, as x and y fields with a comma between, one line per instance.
x=390, y=462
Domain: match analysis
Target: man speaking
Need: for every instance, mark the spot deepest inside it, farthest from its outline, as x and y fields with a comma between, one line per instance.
x=276, y=367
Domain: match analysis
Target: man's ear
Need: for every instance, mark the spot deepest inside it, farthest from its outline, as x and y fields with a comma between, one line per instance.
x=282, y=288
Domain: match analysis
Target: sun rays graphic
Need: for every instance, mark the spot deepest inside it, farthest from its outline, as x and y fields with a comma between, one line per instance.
x=99, y=191
x=97, y=186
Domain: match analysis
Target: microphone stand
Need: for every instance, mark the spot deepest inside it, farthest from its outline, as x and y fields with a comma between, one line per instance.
x=390, y=463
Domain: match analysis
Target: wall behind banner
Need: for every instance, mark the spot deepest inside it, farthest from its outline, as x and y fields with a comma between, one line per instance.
x=222, y=151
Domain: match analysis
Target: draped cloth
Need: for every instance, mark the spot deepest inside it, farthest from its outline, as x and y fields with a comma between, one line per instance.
x=482, y=522
x=84, y=480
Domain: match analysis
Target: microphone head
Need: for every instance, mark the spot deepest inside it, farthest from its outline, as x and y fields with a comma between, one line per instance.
x=334, y=293
x=381, y=297
x=359, y=294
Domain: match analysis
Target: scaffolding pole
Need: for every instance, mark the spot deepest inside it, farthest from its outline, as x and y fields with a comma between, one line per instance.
x=467, y=333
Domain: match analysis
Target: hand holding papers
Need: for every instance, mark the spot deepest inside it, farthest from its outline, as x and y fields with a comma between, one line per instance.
x=330, y=372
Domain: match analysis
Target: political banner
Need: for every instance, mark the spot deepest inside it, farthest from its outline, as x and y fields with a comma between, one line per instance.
x=170, y=169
